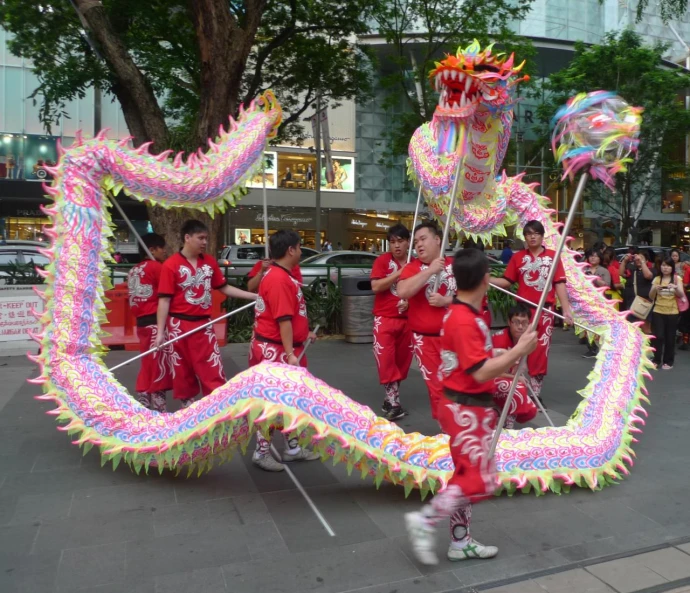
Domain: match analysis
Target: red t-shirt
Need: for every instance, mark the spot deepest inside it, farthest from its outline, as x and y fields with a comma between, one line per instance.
x=486, y=312
x=422, y=317
x=280, y=298
x=615, y=274
x=530, y=273
x=189, y=288
x=296, y=272
x=142, y=282
x=465, y=346
x=503, y=339
x=386, y=303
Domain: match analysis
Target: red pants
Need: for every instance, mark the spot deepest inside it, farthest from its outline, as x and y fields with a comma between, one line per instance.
x=155, y=373
x=267, y=351
x=522, y=408
x=195, y=359
x=392, y=348
x=427, y=351
x=538, y=361
x=471, y=429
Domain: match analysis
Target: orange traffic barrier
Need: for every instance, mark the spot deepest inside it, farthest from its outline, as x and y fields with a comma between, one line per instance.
x=122, y=325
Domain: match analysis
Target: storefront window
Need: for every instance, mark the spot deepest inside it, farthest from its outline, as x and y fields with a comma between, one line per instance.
x=672, y=202
x=343, y=175
x=270, y=172
x=26, y=228
x=12, y=156
x=41, y=152
x=298, y=171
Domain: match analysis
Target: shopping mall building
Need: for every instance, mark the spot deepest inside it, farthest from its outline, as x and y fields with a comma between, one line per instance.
x=366, y=196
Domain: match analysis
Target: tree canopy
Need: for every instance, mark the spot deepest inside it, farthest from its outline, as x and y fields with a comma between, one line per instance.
x=638, y=73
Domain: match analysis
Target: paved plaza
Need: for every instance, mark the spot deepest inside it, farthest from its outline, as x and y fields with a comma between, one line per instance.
x=68, y=524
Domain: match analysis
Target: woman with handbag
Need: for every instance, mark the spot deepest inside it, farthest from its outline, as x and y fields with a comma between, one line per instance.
x=635, y=269
x=669, y=295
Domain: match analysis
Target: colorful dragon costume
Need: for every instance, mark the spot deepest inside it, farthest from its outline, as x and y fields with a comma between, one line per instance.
x=96, y=410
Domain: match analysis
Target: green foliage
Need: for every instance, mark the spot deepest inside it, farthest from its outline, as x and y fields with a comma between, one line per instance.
x=636, y=72
x=669, y=9
x=500, y=302
x=426, y=30
x=301, y=47
x=23, y=274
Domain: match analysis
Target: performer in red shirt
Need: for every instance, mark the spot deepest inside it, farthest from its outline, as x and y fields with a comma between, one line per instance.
x=184, y=303
x=427, y=308
x=392, y=337
x=154, y=377
x=529, y=269
x=260, y=268
x=466, y=414
x=281, y=328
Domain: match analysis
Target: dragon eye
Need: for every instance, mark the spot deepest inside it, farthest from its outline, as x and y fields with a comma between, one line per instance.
x=485, y=68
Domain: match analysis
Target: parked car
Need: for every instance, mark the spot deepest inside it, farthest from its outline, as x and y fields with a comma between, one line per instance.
x=248, y=254
x=316, y=270
x=21, y=253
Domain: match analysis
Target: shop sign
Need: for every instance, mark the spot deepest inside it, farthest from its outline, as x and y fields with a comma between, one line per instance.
x=254, y=219
x=16, y=319
x=359, y=223
x=383, y=225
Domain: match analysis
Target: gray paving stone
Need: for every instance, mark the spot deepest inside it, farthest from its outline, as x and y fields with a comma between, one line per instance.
x=52, y=460
x=527, y=586
x=684, y=547
x=444, y=581
x=615, y=517
x=229, y=479
x=102, y=528
x=162, y=555
x=16, y=540
x=626, y=575
x=29, y=574
x=250, y=508
x=91, y=566
x=8, y=503
x=302, y=531
x=208, y=580
x=191, y=518
x=338, y=569
x=670, y=563
x=41, y=507
x=11, y=464
x=147, y=587
x=576, y=580
x=265, y=542
x=145, y=495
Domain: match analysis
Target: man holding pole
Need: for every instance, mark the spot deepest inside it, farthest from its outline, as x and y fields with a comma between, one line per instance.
x=154, y=377
x=467, y=414
x=280, y=332
x=184, y=304
x=392, y=337
x=529, y=268
x=427, y=304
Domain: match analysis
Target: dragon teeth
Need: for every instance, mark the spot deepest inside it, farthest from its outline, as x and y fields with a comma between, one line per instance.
x=453, y=74
x=468, y=84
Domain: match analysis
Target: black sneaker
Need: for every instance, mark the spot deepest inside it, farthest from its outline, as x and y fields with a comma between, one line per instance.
x=395, y=413
x=590, y=354
x=386, y=406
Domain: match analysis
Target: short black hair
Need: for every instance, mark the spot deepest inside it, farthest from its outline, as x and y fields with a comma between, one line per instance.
x=281, y=241
x=518, y=310
x=192, y=227
x=429, y=224
x=151, y=240
x=400, y=231
x=590, y=252
x=535, y=226
x=469, y=268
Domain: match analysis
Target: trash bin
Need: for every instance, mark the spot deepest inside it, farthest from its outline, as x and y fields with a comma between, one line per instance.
x=358, y=302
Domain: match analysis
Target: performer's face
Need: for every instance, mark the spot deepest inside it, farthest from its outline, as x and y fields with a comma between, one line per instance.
x=533, y=239
x=399, y=247
x=159, y=253
x=518, y=326
x=427, y=244
x=197, y=242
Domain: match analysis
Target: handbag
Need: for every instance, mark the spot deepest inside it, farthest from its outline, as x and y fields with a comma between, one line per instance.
x=682, y=301
x=641, y=306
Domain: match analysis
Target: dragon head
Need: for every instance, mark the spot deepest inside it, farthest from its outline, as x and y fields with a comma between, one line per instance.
x=474, y=80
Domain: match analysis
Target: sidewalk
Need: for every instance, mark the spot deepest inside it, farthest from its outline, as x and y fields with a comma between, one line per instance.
x=68, y=524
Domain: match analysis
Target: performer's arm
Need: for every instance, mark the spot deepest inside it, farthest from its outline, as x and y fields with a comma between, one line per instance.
x=162, y=318
x=501, y=282
x=495, y=367
x=285, y=326
x=237, y=293
x=255, y=280
x=438, y=300
x=646, y=272
x=383, y=284
x=562, y=293
x=409, y=287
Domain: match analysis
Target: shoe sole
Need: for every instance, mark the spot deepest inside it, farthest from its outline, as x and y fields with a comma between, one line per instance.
x=272, y=471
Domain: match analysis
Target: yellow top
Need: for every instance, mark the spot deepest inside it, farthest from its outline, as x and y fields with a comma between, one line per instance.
x=666, y=303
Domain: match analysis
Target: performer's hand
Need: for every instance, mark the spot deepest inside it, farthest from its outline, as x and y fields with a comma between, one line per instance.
x=568, y=317
x=265, y=264
x=292, y=359
x=312, y=336
x=437, y=300
x=160, y=340
x=402, y=305
x=437, y=266
x=527, y=342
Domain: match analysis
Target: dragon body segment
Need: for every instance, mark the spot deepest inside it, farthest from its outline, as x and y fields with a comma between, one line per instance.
x=96, y=410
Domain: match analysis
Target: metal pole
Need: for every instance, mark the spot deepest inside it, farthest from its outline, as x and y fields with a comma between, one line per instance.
x=446, y=228
x=542, y=301
x=537, y=401
x=309, y=343
x=547, y=311
x=263, y=177
x=414, y=222
x=131, y=226
x=317, y=147
x=184, y=335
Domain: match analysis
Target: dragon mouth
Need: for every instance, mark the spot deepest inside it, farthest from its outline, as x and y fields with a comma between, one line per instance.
x=461, y=93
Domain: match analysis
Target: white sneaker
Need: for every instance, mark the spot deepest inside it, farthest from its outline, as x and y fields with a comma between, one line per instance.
x=473, y=549
x=267, y=463
x=303, y=454
x=422, y=538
